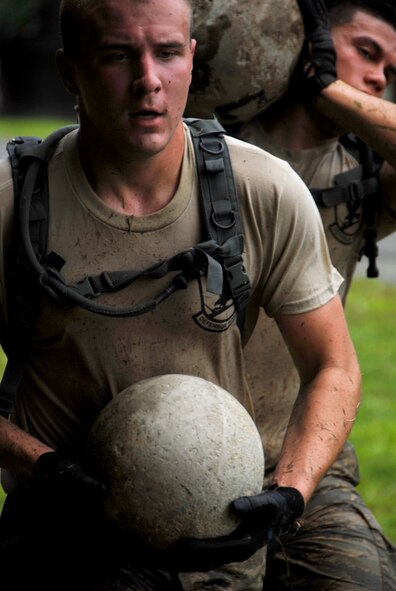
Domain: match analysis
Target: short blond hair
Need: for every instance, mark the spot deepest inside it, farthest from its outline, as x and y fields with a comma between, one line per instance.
x=71, y=18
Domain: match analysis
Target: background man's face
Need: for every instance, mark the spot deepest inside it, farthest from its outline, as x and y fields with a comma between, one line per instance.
x=366, y=53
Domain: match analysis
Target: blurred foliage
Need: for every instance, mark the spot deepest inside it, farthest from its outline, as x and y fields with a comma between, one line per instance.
x=13, y=126
x=21, y=18
x=29, y=38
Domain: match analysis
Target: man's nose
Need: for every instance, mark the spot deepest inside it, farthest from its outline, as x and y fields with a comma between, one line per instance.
x=145, y=78
x=376, y=80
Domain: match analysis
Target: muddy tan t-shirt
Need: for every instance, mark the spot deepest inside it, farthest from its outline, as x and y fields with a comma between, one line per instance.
x=78, y=360
x=272, y=378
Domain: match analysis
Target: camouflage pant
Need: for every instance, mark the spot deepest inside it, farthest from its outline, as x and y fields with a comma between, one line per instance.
x=339, y=546
x=245, y=576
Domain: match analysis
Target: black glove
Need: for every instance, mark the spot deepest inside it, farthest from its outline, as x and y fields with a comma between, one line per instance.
x=265, y=517
x=316, y=68
x=64, y=488
x=279, y=506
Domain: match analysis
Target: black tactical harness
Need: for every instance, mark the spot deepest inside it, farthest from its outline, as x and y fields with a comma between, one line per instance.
x=357, y=188
x=30, y=269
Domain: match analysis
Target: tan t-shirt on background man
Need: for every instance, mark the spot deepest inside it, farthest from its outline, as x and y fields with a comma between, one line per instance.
x=271, y=375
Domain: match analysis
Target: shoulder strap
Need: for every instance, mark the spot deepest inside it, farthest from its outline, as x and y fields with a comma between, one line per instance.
x=357, y=187
x=220, y=202
x=24, y=298
x=19, y=308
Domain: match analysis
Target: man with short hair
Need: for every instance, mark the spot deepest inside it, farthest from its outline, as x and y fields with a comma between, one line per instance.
x=340, y=544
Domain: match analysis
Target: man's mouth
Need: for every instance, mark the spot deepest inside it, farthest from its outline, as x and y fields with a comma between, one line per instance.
x=146, y=114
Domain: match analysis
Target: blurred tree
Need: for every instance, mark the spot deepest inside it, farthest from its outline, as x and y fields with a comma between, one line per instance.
x=29, y=81
x=20, y=19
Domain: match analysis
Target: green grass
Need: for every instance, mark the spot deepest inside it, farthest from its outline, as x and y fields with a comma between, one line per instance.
x=13, y=126
x=372, y=321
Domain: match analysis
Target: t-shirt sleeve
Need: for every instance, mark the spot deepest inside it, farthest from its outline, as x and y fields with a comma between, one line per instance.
x=285, y=246
x=302, y=275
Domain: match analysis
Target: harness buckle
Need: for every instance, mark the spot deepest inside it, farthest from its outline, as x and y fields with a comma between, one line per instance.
x=355, y=193
x=238, y=281
x=92, y=287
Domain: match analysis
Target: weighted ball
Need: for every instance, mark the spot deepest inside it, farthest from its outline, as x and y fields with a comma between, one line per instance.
x=245, y=54
x=174, y=451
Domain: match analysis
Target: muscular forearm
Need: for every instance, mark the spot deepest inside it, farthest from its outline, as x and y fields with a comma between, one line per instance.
x=18, y=449
x=320, y=424
x=371, y=118
x=325, y=409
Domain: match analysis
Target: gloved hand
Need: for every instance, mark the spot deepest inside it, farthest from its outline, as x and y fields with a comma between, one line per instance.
x=265, y=517
x=62, y=485
x=279, y=506
x=316, y=68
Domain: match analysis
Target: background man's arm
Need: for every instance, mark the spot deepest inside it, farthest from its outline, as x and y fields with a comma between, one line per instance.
x=329, y=396
x=371, y=118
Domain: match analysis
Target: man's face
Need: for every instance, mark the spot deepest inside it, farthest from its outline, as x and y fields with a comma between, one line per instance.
x=134, y=72
x=366, y=53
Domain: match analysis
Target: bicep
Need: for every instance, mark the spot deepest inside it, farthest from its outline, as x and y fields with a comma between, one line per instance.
x=319, y=339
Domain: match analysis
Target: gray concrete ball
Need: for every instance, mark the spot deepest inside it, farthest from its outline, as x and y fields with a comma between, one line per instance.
x=174, y=451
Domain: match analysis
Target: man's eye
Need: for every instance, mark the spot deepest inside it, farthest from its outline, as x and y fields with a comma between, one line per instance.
x=366, y=53
x=116, y=57
x=167, y=54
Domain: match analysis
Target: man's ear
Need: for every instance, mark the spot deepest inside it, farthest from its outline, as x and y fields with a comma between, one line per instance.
x=66, y=70
x=193, y=45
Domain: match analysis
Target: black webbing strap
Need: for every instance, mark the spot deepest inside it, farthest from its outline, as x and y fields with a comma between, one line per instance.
x=21, y=283
x=204, y=258
x=350, y=188
x=220, y=202
x=357, y=187
x=20, y=309
x=372, y=164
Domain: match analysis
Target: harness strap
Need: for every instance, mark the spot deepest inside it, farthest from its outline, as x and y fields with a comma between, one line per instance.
x=201, y=256
x=220, y=203
x=357, y=187
x=23, y=304
x=350, y=188
x=200, y=259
